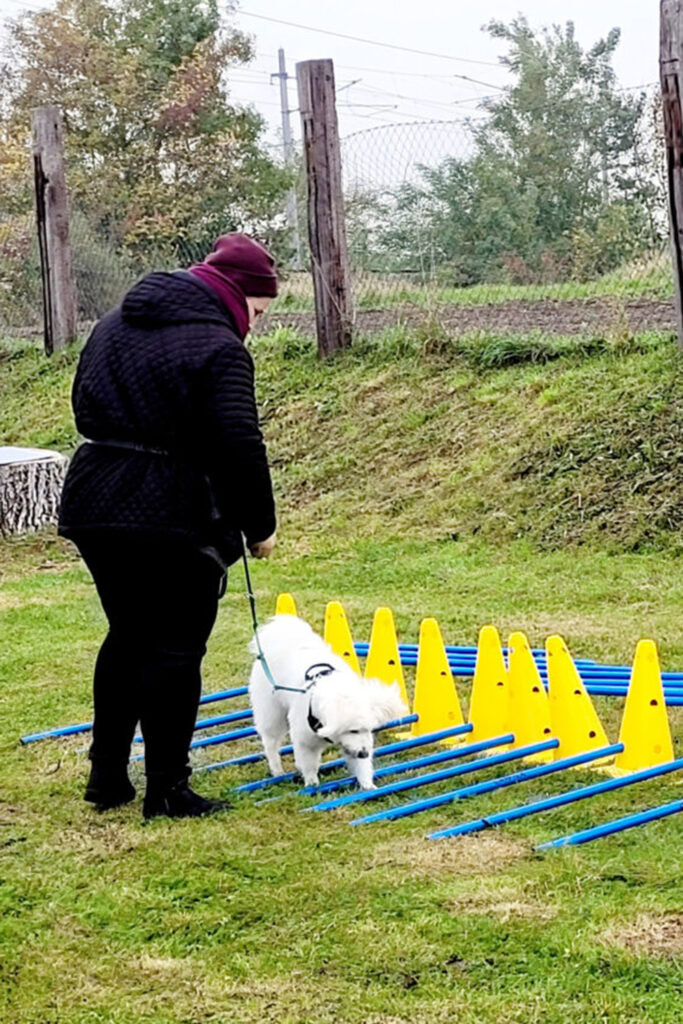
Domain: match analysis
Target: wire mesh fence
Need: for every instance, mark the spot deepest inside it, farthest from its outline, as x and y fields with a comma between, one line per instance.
x=436, y=218
x=438, y=224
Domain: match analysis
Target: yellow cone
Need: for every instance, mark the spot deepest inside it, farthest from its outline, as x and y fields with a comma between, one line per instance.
x=490, y=701
x=285, y=605
x=436, y=701
x=645, y=726
x=529, y=709
x=573, y=718
x=383, y=661
x=338, y=634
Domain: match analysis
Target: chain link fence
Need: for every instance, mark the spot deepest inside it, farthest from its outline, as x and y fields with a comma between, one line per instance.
x=437, y=226
x=104, y=270
x=440, y=225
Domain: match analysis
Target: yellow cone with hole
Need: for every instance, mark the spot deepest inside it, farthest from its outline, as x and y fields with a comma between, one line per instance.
x=573, y=718
x=436, y=700
x=490, y=701
x=383, y=661
x=645, y=729
x=285, y=605
x=338, y=634
x=529, y=708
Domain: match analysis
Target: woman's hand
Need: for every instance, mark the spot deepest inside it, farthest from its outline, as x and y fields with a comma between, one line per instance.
x=264, y=548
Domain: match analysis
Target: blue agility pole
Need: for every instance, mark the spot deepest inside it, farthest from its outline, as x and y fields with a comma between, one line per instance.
x=616, y=679
x=399, y=767
x=74, y=730
x=228, y=737
x=618, y=825
x=455, y=752
x=241, y=734
x=560, y=800
x=211, y=741
x=588, y=670
x=389, y=748
x=340, y=762
x=362, y=647
x=425, y=780
x=405, y=810
x=209, y=723
x=234, y=762
x=465, y=654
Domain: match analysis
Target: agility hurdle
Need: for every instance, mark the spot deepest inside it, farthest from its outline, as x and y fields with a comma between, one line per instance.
x=509, y=710
x=576, y=729
x=559, y=800
x=601, y=680
x=74, y=730
x=384, y=751
x=587, y=835
x=250, y=733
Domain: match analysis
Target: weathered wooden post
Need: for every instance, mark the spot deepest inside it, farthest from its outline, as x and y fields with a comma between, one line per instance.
x=671, y=76
x=52, y=216
x=326, y=226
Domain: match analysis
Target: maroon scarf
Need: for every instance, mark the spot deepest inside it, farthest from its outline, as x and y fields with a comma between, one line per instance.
x=230, y=294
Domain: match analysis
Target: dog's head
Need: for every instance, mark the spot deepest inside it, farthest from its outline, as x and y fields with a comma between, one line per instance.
x=348, y=709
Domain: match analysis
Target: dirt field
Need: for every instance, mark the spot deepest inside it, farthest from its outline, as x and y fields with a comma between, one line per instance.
x=518, y=316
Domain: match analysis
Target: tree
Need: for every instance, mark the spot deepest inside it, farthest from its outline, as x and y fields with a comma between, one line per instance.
x=560, y=183
x=563, y=124
x=159, y=159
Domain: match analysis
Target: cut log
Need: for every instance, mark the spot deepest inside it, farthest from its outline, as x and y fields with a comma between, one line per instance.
x=31, y=481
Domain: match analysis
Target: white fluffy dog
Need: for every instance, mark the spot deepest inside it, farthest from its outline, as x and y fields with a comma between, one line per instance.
x=323, y=701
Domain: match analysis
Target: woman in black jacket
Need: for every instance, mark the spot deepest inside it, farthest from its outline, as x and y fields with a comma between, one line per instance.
x=172, y=471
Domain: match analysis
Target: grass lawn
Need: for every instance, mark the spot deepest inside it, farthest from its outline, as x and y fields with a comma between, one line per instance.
x=534, y=483
x=269, y=915
x=649, y=277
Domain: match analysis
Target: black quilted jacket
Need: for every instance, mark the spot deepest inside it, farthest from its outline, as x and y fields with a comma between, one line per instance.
x=166, y=371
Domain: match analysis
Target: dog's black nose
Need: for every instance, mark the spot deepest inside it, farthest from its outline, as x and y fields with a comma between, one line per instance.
x=363, y=753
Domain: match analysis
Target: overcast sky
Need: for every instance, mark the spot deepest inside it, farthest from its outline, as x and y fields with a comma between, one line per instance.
x=398, y=86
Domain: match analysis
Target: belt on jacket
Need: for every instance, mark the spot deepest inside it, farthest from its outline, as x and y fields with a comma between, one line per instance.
x=130, y=445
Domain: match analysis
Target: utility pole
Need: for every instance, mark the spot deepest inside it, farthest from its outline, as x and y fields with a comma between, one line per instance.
x=288, y=147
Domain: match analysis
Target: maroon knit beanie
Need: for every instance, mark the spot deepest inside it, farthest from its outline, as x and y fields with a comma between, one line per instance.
x=246, y=263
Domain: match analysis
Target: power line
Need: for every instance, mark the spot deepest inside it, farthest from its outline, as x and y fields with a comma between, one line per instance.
x=410, y=99
x=370, y=42
x=383, y=71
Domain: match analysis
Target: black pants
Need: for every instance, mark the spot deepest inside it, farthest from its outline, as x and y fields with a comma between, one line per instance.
x=160, y=596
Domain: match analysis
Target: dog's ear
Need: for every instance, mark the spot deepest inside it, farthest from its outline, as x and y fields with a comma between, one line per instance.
x=386, y=701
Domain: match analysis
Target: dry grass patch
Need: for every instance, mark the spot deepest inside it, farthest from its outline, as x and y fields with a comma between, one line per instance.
x=504, y=905
x=418, y=857
x=648, y=935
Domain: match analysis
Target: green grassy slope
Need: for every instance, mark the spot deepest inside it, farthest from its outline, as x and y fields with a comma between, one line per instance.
x=414, y=434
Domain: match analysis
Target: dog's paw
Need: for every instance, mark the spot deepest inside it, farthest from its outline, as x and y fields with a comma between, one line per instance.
x=311, y=780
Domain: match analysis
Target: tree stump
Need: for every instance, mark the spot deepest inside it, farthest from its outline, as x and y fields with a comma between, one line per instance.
x=31, y=481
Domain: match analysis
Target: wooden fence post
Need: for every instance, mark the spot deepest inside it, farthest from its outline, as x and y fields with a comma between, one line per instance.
x=326, y=226
x=52, y=217
x=671, y=76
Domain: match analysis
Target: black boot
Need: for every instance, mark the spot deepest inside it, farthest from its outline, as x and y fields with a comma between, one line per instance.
x=109, y=786
x=178, y=801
